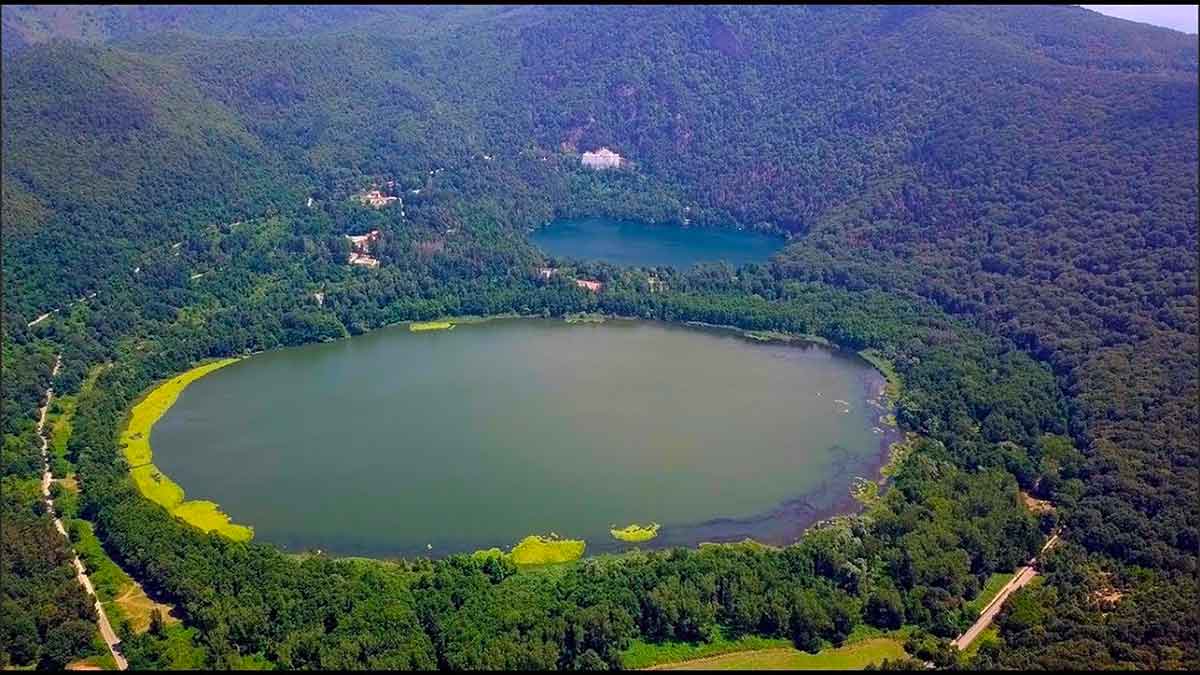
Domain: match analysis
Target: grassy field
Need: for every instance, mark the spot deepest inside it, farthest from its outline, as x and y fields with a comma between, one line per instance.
x=990, y=589
x=156, y=486
x=848, y=657
x=538, y=550
x=59, y=421
x=99, y=662
x=124, y=599
x=645, y=654
x=636, y=533
x=108, y=579
x=990, y=634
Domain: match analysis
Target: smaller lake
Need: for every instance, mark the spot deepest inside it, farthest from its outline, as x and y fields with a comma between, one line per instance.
x=624, y=242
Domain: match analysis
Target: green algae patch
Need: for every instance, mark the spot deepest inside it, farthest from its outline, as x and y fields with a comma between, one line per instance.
x=636, y=533
x=156, y=486
x=488, y=554
x=418, y=326
x=539, y=550
x=208, y=516
x=136, y=437
x=152, y=483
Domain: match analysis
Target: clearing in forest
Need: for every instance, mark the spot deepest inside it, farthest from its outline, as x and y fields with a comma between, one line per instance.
x=848, y=657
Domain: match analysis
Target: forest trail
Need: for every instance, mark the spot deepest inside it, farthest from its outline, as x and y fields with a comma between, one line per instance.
x=52, y=312
x=1023, y=576
x=106, y=631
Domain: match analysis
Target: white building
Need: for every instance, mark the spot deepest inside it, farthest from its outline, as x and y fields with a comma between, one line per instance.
x=602, y=159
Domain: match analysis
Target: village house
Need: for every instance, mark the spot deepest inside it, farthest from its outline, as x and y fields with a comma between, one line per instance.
x=593, y=286
x=547, y=272
x=361, y=247
x=377, y=199
x=602, y=159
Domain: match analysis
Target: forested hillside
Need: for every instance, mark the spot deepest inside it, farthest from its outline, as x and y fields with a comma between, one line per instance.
x=1002, y=199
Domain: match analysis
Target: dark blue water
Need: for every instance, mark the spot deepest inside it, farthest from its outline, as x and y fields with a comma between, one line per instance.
x=624, y=242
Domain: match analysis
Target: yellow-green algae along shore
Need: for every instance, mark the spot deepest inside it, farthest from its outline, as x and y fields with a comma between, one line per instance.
x=418, y=326
x=539, y=550
x=636, y=533
x=158, y=488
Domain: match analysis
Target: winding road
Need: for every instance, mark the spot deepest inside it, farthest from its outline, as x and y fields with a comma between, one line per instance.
x=106, y=631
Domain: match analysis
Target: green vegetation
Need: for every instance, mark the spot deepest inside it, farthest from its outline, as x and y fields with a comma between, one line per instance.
x=156, y=486
x=46, y=619
x=167, y=646
x=585, y=317
x=489, y=553
x=109, y=580
x=548, y=550
x=849, y=657
x=535, y=550
x=1022, y=253
x=865, y=490
x=208, y=517
x=136, y=436
x=641, y=654
x=991, y=588
x=58, y=421
x=776, y=336
x=990, y=636
x=418, y=326
x=894, y=384
x=635, y=532
x=102, y=661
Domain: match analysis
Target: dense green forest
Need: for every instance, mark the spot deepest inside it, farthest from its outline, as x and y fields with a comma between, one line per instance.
x=1001, y=201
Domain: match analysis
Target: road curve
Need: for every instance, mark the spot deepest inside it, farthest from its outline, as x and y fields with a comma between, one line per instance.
x=106, y=631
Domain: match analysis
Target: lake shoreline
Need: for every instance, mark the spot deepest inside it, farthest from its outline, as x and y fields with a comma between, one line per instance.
x=798, y=514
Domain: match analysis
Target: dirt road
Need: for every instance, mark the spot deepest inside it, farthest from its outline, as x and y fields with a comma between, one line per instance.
x=1023, y=576
x=106, y=631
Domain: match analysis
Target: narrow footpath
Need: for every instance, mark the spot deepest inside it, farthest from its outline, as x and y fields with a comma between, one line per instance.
x=106, y=631
x=1023, y=576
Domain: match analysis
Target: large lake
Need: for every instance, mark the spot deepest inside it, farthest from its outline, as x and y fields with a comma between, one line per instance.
x=398, y=443
x=624, y=242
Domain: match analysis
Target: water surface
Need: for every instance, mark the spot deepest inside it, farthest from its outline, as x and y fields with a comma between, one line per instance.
x=400, y=443
x=623, y=242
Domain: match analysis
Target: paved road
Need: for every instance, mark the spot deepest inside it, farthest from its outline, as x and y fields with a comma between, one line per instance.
x=106, y=631
x=1023, y=576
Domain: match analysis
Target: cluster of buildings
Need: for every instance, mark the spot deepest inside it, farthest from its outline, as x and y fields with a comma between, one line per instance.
x=361, y=247
x=376, y=198
x=590, y=284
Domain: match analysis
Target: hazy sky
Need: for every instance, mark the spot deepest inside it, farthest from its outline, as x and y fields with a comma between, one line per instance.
x=1178, y=17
